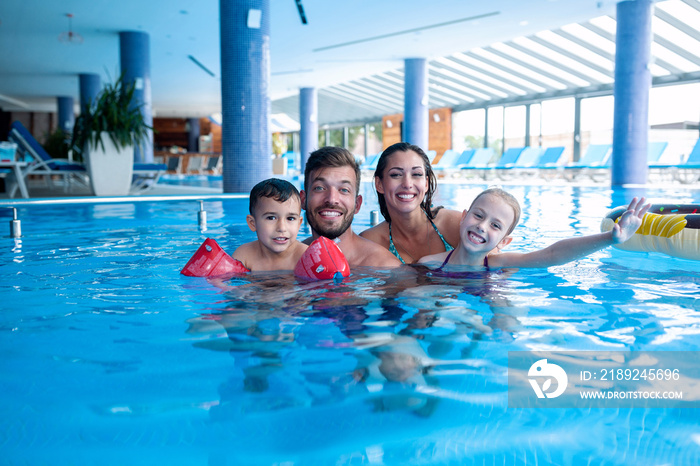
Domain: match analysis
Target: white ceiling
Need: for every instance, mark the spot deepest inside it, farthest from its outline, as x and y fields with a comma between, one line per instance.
x=343, y=41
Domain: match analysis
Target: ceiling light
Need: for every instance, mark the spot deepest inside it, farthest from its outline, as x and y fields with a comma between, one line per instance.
x=70, y=36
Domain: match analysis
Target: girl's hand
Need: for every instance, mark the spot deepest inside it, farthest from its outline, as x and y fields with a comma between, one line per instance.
x=630, y=220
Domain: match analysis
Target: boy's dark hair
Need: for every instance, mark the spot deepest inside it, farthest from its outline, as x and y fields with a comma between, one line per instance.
x=335, y=157
x=279, y=190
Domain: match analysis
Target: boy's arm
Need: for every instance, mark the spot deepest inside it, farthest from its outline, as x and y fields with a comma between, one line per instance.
x=571, y=249
x=244, y=253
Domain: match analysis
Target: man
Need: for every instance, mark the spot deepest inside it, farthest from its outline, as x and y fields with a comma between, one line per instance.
x=331, y=200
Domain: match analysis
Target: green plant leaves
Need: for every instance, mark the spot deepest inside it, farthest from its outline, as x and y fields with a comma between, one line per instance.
x=115, y=112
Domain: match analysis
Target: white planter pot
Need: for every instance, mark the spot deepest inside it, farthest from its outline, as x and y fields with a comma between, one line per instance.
x=110, y=170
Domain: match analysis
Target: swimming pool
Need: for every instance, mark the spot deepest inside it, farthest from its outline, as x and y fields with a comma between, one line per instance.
x=109, y=356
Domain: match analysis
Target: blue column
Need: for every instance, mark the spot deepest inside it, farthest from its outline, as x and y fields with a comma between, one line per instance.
x=245, y=102
x=90, y=86
x=415, y=120
x=632, y=84
x=66, y=117
x=577, y=129
x=193, y=135
x=135, y=59
x=308, y=116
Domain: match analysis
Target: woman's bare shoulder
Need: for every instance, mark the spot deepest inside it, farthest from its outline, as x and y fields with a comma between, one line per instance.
x=447, y=221
x=448, y=216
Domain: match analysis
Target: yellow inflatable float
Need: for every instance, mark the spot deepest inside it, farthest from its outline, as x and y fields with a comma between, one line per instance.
x=672, y=229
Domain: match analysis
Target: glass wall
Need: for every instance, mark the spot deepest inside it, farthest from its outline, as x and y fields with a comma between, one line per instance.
x=674, y=112
x=468, y=129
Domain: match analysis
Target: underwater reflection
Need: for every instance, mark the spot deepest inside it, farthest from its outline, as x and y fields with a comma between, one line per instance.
x=375, y=338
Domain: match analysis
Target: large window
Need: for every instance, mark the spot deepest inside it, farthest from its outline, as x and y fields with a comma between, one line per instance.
x=468, y=129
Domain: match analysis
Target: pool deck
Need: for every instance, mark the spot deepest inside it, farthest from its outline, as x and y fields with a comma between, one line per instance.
x=38, y=188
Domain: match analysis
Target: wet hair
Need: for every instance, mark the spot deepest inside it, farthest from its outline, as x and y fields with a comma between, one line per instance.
x=331, y=157
x=508, y=198
x=279, y=190
x=426, y=205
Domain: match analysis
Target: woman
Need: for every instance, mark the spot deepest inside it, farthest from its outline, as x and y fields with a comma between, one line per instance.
x=405, y=185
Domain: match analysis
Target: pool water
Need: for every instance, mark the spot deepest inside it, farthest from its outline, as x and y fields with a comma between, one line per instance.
x=110, y=356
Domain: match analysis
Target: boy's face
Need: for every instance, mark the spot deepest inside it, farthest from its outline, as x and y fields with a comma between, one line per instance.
x=331, y=202
x=484, y=225
x=276, y=223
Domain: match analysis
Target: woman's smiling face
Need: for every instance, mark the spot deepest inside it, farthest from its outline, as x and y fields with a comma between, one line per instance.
x=404, y=181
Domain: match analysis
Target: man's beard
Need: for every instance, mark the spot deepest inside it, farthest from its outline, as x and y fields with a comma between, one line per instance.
x=330, y=232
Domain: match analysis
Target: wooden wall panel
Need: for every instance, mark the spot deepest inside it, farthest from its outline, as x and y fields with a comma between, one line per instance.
x=439, y=130
x=170, y=132
x=391, y=129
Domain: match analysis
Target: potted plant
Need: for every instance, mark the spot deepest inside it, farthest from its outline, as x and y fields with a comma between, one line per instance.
x=105, y=134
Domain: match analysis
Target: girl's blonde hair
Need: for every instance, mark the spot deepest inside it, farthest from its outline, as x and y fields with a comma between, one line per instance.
x=508, y=198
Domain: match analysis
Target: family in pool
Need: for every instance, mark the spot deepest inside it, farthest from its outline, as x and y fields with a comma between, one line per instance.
x=412, y=232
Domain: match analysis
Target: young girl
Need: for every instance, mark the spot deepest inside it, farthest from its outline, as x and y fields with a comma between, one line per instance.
x=492, y=217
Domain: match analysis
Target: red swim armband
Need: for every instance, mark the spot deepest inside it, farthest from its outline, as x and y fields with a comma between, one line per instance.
x=210, y=260
x=323, y=260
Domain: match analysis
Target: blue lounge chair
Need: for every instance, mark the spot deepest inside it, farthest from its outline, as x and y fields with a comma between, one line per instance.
x=687, y=171
x=293, y=161
x=145, y=174
x=41, y=163
x=431, y=155
x=464, y=158
x=506, y=161
x=550, y=162
x=551, y=158
x=370, y=163
x=446, y=162
x=214, y=163
x=478, y=162
x=522, y=165
x=459, y=161
x=654, y=151
x=597, y=156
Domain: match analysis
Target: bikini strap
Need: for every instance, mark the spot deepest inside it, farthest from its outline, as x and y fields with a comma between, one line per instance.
x=447, y=259
x=448, y=246
x=392, y=248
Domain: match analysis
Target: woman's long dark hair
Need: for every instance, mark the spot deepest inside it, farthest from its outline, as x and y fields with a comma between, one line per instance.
x=426, y=205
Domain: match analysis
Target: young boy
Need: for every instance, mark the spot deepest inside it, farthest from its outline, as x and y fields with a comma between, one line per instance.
x=492, y=217
x=275, y=216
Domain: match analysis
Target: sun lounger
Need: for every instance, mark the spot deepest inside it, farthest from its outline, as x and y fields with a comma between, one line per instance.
x=213, y=165
x=145, y=174
x=446, y=162
x=41, y=163
x=685, y=172
x=597, y=157
x=478, y=162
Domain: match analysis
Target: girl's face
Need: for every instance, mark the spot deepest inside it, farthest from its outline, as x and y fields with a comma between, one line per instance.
x=483, y=227
x=405, y=181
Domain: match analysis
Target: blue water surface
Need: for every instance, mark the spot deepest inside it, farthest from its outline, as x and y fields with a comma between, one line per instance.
x=110, y=356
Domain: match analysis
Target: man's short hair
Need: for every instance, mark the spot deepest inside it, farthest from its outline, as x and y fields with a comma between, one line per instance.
x=279, y=190
x=331, y=157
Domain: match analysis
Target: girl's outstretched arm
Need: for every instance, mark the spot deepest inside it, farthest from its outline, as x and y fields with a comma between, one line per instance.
x=571, y=249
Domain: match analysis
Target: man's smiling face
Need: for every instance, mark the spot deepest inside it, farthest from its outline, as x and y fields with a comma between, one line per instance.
x=332, y=201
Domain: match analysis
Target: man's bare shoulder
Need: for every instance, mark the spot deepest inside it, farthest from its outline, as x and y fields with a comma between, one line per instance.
x=369, y=253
